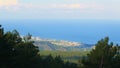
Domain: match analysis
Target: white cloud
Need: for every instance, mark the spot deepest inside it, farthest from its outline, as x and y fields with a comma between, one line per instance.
x=63, y=6
x=15, y=5
x=9, y=5
x=69, y=6
x=8, y=2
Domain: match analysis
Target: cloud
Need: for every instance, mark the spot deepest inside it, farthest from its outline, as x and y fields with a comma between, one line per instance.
x=16, y=5
x=64, y=6
x=69, y=6
x=8, y=2
x=39, y=10
x=9, y=5
x=50, y=6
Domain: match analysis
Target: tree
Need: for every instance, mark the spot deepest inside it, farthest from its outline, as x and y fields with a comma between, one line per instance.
x=17, y=53
x=102, y=56
x=26, y=54
x=7, y=42
x=58, y=62
x=116, y=61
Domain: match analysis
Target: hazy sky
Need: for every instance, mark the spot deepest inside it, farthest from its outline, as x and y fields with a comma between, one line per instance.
x=60, y=9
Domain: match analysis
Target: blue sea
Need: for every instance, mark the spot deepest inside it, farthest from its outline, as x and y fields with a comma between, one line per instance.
x=85, y=31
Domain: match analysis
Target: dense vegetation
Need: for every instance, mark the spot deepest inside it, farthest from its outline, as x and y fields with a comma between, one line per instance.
x=20, y=52
x=104, y=55
x=71, y=56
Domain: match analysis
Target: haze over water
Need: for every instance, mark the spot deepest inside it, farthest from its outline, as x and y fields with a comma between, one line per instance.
x=85, y=31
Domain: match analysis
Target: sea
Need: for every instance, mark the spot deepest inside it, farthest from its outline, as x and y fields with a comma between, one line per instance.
x=84, y=31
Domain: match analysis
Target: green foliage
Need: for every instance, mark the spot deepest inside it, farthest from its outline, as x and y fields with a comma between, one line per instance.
x=27, y=38
x=7, y=42
x=71, y=56
x=56, y=62
x=103, y=56
x=25, y=53
x=15, y=53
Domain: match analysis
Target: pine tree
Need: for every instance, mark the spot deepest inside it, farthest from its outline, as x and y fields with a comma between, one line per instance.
x=102, y=56
x=16, y=53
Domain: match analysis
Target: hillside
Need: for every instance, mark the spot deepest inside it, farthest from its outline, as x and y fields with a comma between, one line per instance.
x=60, y=45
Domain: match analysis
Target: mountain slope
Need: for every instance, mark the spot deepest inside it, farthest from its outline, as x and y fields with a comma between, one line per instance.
x=60, y=45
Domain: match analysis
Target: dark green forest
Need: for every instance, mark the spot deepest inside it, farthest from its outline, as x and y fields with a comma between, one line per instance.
x=20, y=52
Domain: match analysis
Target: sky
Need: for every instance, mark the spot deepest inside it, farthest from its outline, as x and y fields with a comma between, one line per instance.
x=60, y=9
x=107, y=12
